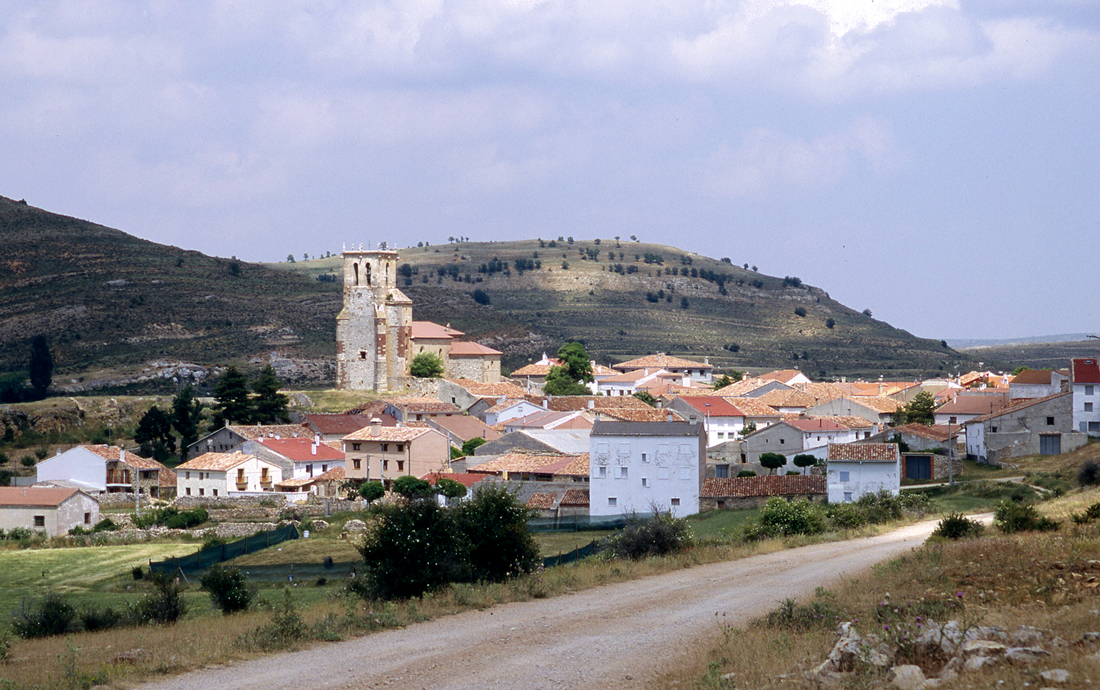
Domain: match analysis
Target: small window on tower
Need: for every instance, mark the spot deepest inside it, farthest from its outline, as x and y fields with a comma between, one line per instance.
x=362, y=354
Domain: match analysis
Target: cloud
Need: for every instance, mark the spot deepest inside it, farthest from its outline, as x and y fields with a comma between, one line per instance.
x=766, y=160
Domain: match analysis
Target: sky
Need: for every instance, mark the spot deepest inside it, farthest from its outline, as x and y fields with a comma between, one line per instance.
x=935, y=161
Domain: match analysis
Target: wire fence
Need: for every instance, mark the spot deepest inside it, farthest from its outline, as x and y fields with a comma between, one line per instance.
x=204, y=558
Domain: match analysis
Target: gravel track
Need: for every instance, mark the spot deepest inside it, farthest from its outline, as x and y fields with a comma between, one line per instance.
x=619, y=636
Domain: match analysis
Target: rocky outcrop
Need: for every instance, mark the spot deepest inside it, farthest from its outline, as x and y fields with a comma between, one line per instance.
x=939, y=655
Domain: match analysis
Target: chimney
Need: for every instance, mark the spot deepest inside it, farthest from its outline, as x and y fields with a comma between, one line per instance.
x=669, y=416
x=375, y=426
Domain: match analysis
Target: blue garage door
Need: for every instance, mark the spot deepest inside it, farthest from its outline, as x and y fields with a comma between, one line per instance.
x=918, y=467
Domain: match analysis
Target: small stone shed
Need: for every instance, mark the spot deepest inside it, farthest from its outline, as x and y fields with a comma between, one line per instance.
x=51, y=510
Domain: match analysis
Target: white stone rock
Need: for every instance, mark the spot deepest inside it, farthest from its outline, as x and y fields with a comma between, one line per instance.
x=1025, y=656
x=355, y=526
x=1059, y=676
x=907, y=677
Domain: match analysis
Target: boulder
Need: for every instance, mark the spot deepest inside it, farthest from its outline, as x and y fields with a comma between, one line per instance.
x=907, y=677
x=1057, y=676
x=355, y=525
x=1026, y=656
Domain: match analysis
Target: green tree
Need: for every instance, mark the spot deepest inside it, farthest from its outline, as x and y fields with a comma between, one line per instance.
x=748, y=428
x=645, y=397
x=228, y=588
x=154, y=434
x=186, y=416
x=921, y=409
x=804, y=460
x=472, y=444
x=41, y=366
x=493, y=525
x=576, y=360
x=728, y=379
x=371, y=491
x=232, y=403
x=426, y=365
x=415, y=548
x=772, y=461
x=269, y=405
x=559, y=382
x=449, y=488
x=412, y=488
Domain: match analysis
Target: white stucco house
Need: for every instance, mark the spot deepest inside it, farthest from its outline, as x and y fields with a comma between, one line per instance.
x=640, y=466
x=856, y=469
x=42, y=509
x=223, y=474
x=1086, y=395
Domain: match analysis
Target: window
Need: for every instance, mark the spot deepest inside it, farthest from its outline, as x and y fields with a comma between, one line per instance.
x=675, y=502
x=845, y=476
x=644, y=458
x=309, y=470
x=240, y=474
x=782, y=441
x=1050, y=421
x=1088, y=407
x=385, y=465
x=847, y=496
x=357, y=463
x=992, y=429
x=355, y=446
x=1088, y=390
x=721, y=471
x=385, y=447
x=645, y=481
x=1094, y=426
x=188, y=475
x=612, y=501
x=603, y=473
x=202, y=492
x=215, y=492
x=362, y=354
x=622, y=472
x=87, y=518
x=39, y=520
x=400, y=447
x=188, y=491
x=400, y=465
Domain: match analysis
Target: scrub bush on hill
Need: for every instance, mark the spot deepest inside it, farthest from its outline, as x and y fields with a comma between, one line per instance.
x=228, y=588
x=172, y=518
x=660, y=536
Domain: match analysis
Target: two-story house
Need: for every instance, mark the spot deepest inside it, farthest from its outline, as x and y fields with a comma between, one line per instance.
x=639, y=466
x=1037, y=427
x=379, y=453
x=1085, y=375
x=856, y=469
x=225, y=474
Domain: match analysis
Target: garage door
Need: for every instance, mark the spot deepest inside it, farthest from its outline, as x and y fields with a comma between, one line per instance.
x=1050, y=444
x=918, y=467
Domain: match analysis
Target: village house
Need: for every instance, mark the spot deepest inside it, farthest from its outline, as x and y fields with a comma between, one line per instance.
x=226, y=474
x=752, y=387
x=473, y=397
x=231, y=436
x=559, y=504
x=683, y=368
x=858, y=469
x=379, y=453
x=327, y=485
x=51, y=510
x=97, y=468
x=297, y=458
x=964, y=406
x=462, y=428
x=546, y=419
x=1037, y=383
x=722, y=419
x=639, y=466
x=1086, y=395
x=566, y=441
x=414, y=409
x=529, y=467
x=1030, y=427
x=921, y=437
x=334, y=427
x=879, y=410
x=510, y=408
x=788, y=377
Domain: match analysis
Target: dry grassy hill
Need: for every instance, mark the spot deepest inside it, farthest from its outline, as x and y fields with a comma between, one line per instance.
x=109, y=301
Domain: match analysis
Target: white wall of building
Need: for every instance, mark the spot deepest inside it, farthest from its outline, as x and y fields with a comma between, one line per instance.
x=639, y=473
x=847, y=481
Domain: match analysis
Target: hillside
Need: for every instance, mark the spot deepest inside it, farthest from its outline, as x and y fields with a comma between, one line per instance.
x=110, y=303
x=734, y=316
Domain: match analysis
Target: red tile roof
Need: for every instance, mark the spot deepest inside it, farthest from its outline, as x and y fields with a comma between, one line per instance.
x=1020, y=404
x=712, y=406
x=464, y=478
x=253, y=432
x=34, y=495
x=660, y=361
x=816, y=424
x=575, y=497
x=542, y=501
x=863, y=452
x=746, y=487
x=1086, y=370
x=433, y=331
x=934, y=433
x=569, y=403
x=472, y=349
x=218, y=462
x=389, y=434
x=301, y=449
x=343, y=423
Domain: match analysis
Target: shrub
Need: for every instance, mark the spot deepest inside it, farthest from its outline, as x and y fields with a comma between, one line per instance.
x=1091, y=513
x=493, y=525
x=482, y=297
x=228, y=588
x=51, y=615
x=94, y=619
x=958, y=526
x=371, y=491
x=286, y=629
x=450, y=488
x=746, y=473
x=410, y=550
x=1089, y=474
x=27, y=461
x=412, y=488
x=4, y=459
x=426, y=365
x=1021, y=517
x=780, y=517
x=105, y=525
x=820, y=614
x=164, y=604
x=172, y=518
x=213, y=541
x=800, y=311
x=772, y=461
x=137, y=573
x=659, y=536
x=845, y=515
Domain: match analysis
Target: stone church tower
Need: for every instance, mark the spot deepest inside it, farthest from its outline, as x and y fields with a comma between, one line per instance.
x=374, y=329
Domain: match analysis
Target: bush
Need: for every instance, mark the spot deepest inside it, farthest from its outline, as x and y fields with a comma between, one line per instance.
x=659, y=536
x=820, y=614
x=412, y=488
x=228, y=588
x=493, y=526
x=371, y=491
x=94, y=619
x=4, y=459
x=286, y=629
x=212, y=541
x=1091, y=514
x=1089, y=474
x=27, y=461
x=1021, y=517
x=137, y=572
x=426, y=365
x=845, y=515
x=105, y=525
x=172, y=518
x=958, y=526
x=51, y=615
x=411, y=549
x=164, y=604
x=746, y=473
x=780, y=517
x=482, y=297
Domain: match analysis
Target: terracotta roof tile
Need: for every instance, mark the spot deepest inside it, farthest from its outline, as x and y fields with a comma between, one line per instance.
x=575, y=498
x=542, y=501
x=747, y=487
x=433, y=331
x=466, y=348
x=1085, y=370
x=388, y=434
x=34, y=496
x=217, y=462
x=863, y=452
x=660, y=361
x=253, y=432
x=570, y=403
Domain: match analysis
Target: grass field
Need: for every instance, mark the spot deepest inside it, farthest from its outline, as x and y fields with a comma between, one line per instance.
x=99, y=574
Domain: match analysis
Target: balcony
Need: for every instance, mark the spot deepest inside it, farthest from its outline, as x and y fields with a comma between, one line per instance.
x=242, y=486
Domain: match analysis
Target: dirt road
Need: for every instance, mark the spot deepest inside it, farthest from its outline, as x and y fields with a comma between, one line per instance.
x=617, y=636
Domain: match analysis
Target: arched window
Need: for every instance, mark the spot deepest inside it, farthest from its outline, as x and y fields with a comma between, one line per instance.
x=368, y=275
x=355, y=268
